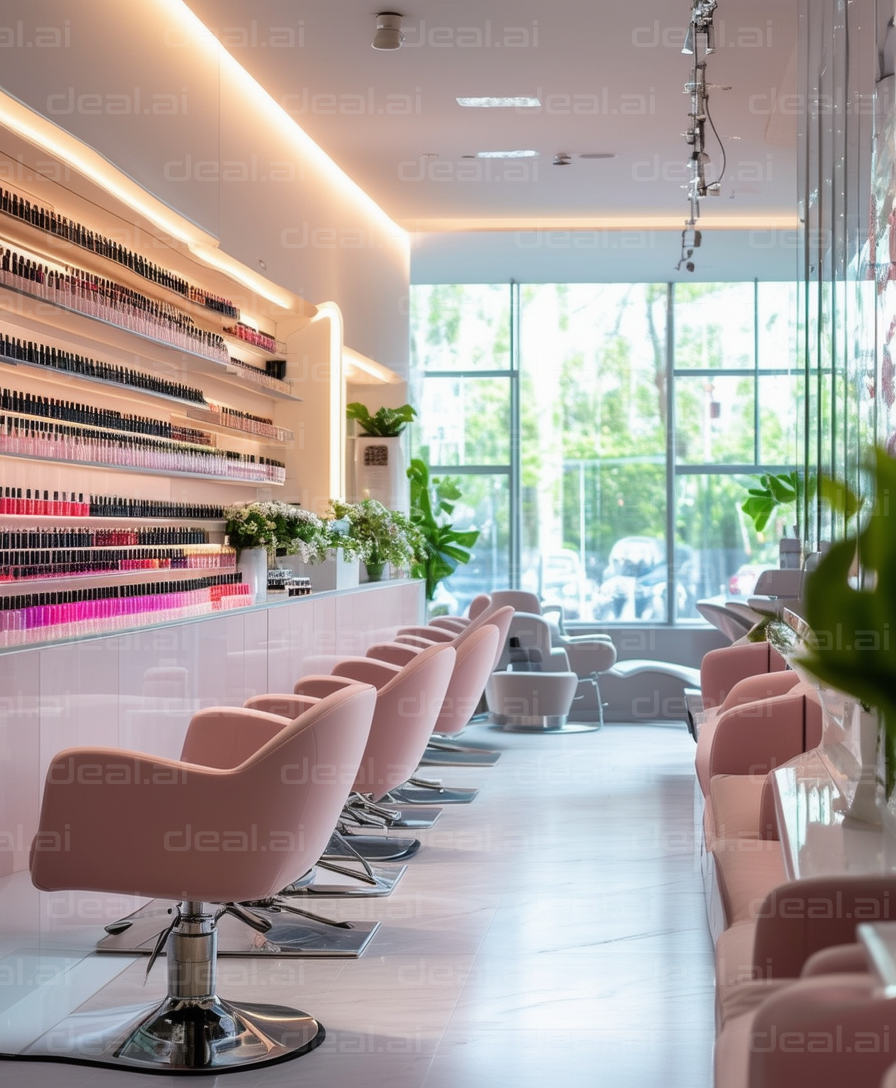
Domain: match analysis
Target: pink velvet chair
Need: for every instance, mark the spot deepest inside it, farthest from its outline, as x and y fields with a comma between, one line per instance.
x=409, y=700
x=441, y=749
x=802, y=1006
x=234, y=820
x=721, y=669
x=456, y=624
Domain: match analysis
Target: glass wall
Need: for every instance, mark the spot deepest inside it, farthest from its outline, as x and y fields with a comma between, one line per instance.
x=604, y=436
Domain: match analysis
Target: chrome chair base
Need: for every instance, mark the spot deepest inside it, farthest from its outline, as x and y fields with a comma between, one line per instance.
x=178, y=1036
x=551, y=723
x=289, y=935
x=192, y=1030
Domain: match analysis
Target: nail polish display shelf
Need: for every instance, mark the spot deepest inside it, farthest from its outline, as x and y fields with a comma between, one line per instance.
x=56, y=375
x=177, y=360
x=102, y=578
x=214, y=525
x=56, y=247
x=139, y=470
x=211, y=420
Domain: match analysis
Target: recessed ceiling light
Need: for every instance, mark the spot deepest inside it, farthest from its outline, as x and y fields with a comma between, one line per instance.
x=598, y=155
x=523, y=102
x=506, y=154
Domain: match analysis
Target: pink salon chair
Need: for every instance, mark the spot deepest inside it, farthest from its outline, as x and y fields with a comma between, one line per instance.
x=443, y=747
x=179, y=829
x=477, y=651
x=799, y=1005
x=408, y=701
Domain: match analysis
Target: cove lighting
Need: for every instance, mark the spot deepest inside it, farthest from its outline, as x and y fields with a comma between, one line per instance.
x=522, y=103
x=506, y=154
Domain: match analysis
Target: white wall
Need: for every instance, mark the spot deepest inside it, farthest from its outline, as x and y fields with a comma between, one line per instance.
x=143, y=85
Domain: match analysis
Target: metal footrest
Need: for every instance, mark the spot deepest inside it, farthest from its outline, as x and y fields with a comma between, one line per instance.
x=357, y=883
x=371, y=847
x=432, y=795
x=459, y=757
x=289, y=934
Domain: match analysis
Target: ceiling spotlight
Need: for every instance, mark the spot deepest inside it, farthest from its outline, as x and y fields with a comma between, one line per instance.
x=388, y=31
x=562, y=158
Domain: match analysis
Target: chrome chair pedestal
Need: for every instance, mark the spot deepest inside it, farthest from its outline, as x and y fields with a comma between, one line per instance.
x=549, y=723
x=192, y=1030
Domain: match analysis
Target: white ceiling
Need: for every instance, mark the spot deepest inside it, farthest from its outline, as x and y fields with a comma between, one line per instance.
x=611, y=80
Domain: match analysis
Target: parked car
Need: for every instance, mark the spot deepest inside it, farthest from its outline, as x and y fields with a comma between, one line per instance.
x=635, y=581
x=743, y=581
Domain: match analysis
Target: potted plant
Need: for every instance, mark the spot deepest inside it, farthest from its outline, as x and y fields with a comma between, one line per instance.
x=850, y=609
x=384, y=423
x=444, y=547
x=381, y=535
x=380, y=464
x=259, y=530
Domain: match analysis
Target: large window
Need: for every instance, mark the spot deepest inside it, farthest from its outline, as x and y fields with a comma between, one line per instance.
x=604, y=434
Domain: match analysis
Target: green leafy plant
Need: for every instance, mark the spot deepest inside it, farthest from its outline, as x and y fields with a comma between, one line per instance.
x=445, y=547
x=378, y=534
x=384, y=423
x=776, y=491
x=851, y=624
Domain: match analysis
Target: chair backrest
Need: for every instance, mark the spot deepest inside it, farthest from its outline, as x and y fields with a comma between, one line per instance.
x=174, y=830
x=721, y=669
x=731, y=624
x=395, y=653
x=476, y=656
x=478, y=605
x=429, y=632
x=519, y=599
x=533, y=632
x=494, y=617
x=406, y=711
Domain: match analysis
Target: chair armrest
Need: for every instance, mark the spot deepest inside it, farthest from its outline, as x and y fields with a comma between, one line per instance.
x=839, y=959
x=756, y=737
x=454, y=624
x=420, y=641
x=100, y=804
x=802, y=917
x=827, y=1032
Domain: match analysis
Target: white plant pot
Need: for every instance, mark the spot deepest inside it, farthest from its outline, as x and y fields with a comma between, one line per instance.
x=867, y=741
x=381, y=472
x=253, y=567
x=334, y=573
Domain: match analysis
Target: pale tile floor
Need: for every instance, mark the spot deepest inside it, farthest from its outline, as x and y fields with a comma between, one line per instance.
x=552, y=932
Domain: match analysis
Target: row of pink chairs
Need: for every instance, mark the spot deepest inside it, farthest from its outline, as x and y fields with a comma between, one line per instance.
x=796, y=1001
x=248, y=808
